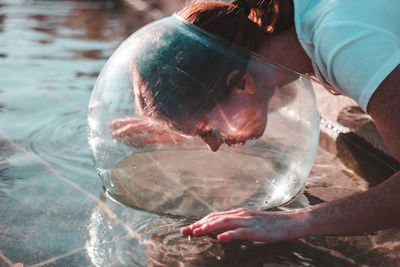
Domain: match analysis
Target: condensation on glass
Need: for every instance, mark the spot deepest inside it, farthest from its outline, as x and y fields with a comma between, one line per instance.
x=207, y=125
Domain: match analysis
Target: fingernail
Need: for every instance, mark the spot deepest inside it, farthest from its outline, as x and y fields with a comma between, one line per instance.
x=222, y=238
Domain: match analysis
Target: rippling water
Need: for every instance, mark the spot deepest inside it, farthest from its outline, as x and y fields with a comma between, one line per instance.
x=52, y=207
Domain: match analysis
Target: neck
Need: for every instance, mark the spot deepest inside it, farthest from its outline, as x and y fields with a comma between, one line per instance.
x=286, y=49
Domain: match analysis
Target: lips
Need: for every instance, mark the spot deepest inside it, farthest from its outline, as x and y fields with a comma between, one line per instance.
x=214, y=143
x=251, y=128
x=231, y=142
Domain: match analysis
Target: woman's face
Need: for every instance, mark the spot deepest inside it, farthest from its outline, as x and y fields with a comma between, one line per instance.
x=240, y=117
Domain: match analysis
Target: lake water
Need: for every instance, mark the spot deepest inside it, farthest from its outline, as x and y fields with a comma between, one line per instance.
x=53, y=209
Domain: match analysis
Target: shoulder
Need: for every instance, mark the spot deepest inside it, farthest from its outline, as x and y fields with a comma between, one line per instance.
x=355, y=49
x=313, y=15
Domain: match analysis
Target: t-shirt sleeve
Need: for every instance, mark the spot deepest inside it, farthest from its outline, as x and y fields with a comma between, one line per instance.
x=356, y=57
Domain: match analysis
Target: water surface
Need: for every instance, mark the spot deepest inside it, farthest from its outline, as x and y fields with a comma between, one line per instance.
x=53, y=210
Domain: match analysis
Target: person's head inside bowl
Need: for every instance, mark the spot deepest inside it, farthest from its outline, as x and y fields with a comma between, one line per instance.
x=202, y=89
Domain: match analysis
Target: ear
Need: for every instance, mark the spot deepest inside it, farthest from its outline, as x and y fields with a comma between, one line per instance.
x=241, y=81
x=249, y=84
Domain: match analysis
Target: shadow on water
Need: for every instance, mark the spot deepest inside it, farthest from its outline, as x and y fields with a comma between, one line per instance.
x=52, y=208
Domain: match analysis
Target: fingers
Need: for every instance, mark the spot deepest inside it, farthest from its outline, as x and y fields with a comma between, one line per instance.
x=239, y=211
x=126, y=130
x=233, y=228
x=164, y=138
x=138, y=127
x=140, y=124
x=237, y=234
x=209, y=218
x=128, y=126
x=156, y=134
x=134, y=129
x=118, y=123
x=218, y=221
x=225, y=223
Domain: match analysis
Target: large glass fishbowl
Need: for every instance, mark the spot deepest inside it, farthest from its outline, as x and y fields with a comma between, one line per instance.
x=182, y=122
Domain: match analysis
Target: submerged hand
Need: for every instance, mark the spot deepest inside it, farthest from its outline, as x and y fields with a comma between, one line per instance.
x=135, y=125
x=246, y=224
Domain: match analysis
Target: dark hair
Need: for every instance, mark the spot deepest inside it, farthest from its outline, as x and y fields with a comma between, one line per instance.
x=184, y=96
x=232, y=22
x=176, y=76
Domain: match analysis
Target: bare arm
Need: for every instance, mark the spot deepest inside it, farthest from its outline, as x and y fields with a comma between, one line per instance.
x=384, y=108
x=377, y=208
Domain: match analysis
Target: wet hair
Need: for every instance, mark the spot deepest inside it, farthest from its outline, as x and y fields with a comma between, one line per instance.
x=184, y=96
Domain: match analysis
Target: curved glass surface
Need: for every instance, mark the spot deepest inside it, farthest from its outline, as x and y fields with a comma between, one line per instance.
x=182, y=122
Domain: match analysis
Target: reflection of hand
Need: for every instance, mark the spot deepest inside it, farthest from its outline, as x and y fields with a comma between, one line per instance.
x=133, y=125
x=246, y=224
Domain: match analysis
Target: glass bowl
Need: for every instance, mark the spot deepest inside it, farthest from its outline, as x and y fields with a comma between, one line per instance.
x=182, y=122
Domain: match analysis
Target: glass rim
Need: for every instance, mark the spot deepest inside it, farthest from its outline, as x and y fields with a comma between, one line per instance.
x=239, y=49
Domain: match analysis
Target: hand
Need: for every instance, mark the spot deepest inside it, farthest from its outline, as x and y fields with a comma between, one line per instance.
x=246, y=224
x=136, y=125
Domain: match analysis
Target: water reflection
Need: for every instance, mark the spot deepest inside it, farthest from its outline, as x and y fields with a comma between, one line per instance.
x=125, y=236
x=149, y=240
x=6, y=182
x=91, y=20
x=2, y=17
x=94, y=23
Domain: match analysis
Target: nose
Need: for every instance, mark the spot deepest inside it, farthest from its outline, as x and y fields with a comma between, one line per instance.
x=212, y=141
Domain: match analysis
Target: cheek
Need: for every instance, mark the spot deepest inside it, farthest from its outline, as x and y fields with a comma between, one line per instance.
x=241, y=114
x=251, y=111
x=248, y=124
x=251, y=119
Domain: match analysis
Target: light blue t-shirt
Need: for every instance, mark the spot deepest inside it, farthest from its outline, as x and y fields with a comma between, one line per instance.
x=354, y=43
